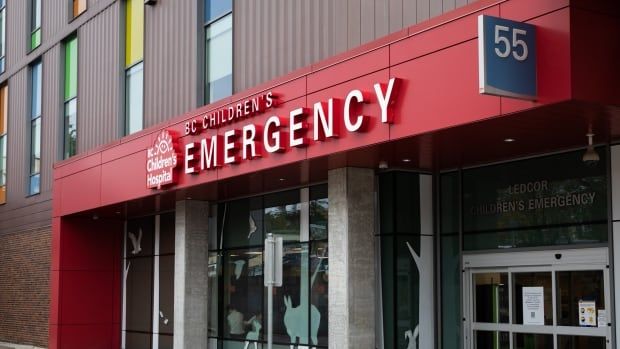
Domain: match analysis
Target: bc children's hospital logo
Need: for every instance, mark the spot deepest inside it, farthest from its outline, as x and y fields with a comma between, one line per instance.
x=162, y=160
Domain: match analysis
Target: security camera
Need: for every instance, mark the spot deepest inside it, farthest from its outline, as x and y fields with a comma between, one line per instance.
x=590, y=157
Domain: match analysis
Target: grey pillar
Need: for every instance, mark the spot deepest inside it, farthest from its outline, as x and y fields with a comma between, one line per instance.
x=190, y=275
x=351, y=258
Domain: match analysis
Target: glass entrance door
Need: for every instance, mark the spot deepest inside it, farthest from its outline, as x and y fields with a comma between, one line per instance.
x=537, y=300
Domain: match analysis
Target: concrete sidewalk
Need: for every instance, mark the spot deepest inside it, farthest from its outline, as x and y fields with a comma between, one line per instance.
x=4, y=345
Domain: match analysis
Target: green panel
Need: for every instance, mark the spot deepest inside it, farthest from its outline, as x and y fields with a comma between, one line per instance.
x=71, y=68
x=387, y=290
x=35, y=39
x=399, y=203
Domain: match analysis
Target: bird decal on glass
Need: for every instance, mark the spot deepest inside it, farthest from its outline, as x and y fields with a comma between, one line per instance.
x=136, y=242
x=253, y=227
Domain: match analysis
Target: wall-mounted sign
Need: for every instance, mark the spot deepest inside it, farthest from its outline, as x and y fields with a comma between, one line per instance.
x=162, y=160
x=506, y=58
x=533, y=306
x=556, y=190
x=281, y=132
x=587, y=313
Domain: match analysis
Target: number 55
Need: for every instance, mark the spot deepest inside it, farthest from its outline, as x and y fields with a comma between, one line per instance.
x=516, y=42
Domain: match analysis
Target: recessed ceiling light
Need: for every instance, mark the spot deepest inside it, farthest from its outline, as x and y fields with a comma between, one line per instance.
x=189, y=198
x=118, y=212
x=282, y=179
x=406, y=160
x=509, y=140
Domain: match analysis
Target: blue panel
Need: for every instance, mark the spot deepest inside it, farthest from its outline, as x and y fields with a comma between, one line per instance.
x=507, y=59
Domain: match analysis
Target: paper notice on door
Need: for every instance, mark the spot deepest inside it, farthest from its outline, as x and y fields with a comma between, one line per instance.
x=602, y=318
x=587, y=313
x=533, y=306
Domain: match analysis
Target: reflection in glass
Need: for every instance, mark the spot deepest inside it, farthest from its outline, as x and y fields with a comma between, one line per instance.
x=70, y=128
x=577, y=342
x=319, y=265
x=242, y=223
x=134, y=99
x=491, y=340
x=532, y=341
x=536, y=279
x=319, y=205
x=282, y=212
x=166, y=294
x=491, y=297
x=219, y=59
x=139, y=294
x=214, y=273
x=575, y=286
x=243, y=291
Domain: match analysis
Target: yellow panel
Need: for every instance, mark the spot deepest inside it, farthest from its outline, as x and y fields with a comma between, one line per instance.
x=3, y=195
x=134, y=35
x=79, y=6
x=4, y=108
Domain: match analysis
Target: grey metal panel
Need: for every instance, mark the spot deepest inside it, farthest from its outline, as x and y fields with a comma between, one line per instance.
x=354, y=23
x=410, y=12
x=170, y=60
x=396, y=15
x=367, y=20
x=16, y=32
x=382, y=18
x=423, y=10
x=274, y=37
x=51, y=115
x=448, y=5
x=436, y=8
x=98, y=80
x=459, y=3
x=55, y=16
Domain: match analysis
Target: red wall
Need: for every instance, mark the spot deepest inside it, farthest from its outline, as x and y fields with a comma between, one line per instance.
x=85, y=283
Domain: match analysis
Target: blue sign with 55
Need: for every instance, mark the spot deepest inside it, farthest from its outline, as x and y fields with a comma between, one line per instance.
x=506, y=58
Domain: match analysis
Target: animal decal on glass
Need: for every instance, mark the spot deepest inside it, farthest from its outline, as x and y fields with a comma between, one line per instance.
x=136, y=241
x=424, y=265
x=412, y=338
x=296, y=318
x=253, y=227
x=238, y=268
x=253, y=334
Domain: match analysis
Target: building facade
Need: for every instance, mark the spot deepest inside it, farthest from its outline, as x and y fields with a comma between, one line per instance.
x=148, y=148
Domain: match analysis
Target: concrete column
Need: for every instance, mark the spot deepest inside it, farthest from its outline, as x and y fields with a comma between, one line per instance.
x=190, y=274
x=351, y=258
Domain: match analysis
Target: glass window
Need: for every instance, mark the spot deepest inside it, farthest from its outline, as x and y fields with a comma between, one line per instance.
x=35, y=24
x=490, y=340
x=3, y=137
x=71, y=67
x=149, y=281
x=532, y=341
x=70, y=96
x=216, y=8
x=70, y=145
x=134, y=32
x=545, y=201
x=35, y=129
x=534, y=279
x=134, y=99
x=219, y=59
x=450, y=275
x=2, y=34
x=236, y=285
x=78, y=7
x=574, y=287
